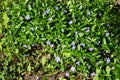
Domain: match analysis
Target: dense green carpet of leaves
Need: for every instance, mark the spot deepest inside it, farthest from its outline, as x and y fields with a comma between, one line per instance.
x=59, y=40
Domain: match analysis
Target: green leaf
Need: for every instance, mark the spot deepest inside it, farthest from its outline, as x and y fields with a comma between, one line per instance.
x=16, y=50
x=93, y=28
x=105, y=46
x=0, y=28
x=43, y=60
x=5, y=18
x=66, y=54
x=96, y=78
x=98, y=71
x=29, y=68
x=18, y=69
x=108, y=69
x=104, y=41
x=97, y=74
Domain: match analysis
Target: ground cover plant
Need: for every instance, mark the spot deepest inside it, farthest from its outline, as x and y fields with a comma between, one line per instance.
x=59, y=40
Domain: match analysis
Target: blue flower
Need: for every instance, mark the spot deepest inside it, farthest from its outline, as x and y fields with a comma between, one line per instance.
x=33, y=45
x=70, y=22
x=73, y=47
x=107, y=60
x=50, y=19
x=56, y=8
x=32, y=29
x=47, y=11
x=73, y=69
x=98, y=42
x=51, y=45
x=25, y=46
x=87, y=29
x=91, y=49
x=27, y=17
x=89, y=66
x=93, y=74
x=88, y=13
x=76, y=33
x=67, y=74
x=65, y=11
x=73, y=43
x=108, y=24
x=78, y=63
x=48, y=42
x=57, y=59
x=107, y=33
x=82, y=44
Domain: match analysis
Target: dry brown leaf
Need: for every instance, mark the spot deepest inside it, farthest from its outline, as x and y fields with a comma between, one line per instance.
x=117, y=2
x=1, y=35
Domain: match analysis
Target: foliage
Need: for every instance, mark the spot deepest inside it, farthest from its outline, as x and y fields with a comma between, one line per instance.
x=59, y=40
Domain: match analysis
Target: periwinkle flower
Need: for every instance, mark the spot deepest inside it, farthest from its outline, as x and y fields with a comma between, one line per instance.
x=107, y=60
x=50, y=19
x=27, y=17
x=32, y=29
x=48, y=42
x=98, y=42
x=82, y=44
x=87, y=29
x=70, y=22
x=73, y=43
x=76, y=33
x=33, y=45
x=67, y=74
x=93, y=74
x=25, y=46
x=108, y=24
x=73, y=69
x=78, y=63
x=80, y=8
x=89, y=13
x=65, y=11
x=51, y=45
x=89, y=66
x=56, y=8
x=73, y=47
x=107, y=33
x=91, y=49
x=47, y=11
x=57, y=59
